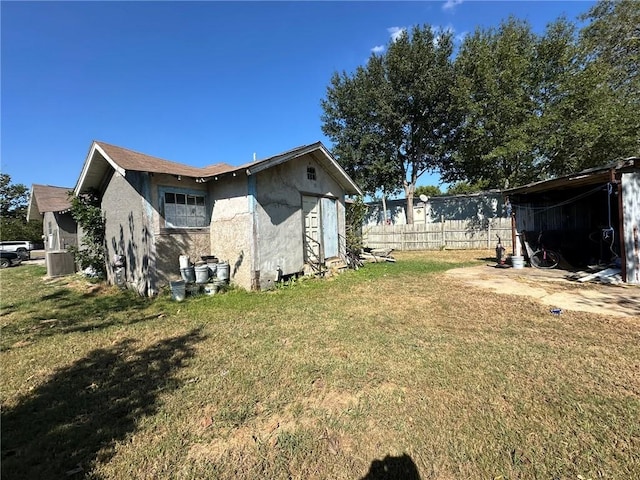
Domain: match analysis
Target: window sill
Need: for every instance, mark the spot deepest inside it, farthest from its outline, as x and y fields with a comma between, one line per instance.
x=197, y=230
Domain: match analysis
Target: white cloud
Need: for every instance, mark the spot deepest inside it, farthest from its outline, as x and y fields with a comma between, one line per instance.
x=378, y=49
x=395, y=32
x=451, y=4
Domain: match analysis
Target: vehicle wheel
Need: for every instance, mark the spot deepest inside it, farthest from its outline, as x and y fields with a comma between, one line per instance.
x=545, y=259
x=23, y=253
x=4, y=263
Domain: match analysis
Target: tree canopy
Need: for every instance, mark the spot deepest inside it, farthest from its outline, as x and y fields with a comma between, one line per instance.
x=391, y=121
x=14, y=201
x=512, y=107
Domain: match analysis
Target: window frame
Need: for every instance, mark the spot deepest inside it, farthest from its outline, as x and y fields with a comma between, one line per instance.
x=187, y=195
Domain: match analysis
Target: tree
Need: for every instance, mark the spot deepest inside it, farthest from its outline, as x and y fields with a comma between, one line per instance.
x=591, y=117
x=392, y=120
x=86, y=211
x=428, y=190
x=14, y=200
x=495, y=88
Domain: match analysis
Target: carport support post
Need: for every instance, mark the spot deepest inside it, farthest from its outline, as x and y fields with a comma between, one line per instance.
x=513, y=233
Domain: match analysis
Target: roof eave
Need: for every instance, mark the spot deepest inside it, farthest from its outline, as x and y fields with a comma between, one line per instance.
x=89, y=165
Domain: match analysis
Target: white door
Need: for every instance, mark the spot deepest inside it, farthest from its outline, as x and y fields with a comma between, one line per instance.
x=312, y=233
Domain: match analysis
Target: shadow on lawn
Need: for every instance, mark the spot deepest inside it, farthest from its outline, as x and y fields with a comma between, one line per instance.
x=390, y=468
x=73, y=421
x=71, y=312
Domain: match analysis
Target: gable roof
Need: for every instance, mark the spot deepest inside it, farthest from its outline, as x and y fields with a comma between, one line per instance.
x=45, y=198
x=319, y=153
x=102, y=157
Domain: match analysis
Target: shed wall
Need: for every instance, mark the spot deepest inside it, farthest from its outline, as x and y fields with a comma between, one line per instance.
x=280, y=224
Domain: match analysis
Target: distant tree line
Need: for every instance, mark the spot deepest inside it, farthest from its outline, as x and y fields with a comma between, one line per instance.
x=508, y=107
x=14, y=202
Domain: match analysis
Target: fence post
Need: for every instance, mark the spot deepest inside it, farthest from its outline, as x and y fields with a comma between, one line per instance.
x=489, y=235
x=442, y=242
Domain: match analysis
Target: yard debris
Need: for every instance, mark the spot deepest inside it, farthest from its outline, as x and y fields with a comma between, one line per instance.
x=611, y=276
x=377, y=255
x=74, y=471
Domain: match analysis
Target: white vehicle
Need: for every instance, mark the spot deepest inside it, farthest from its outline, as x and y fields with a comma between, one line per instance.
x=21, y=247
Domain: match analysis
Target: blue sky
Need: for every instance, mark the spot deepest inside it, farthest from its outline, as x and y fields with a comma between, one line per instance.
x=195, y=82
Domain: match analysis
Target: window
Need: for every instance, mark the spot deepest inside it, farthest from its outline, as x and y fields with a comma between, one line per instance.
x=311, y=173
x=184, y=210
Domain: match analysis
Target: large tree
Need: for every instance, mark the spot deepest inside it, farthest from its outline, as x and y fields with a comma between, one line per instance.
x=495, y=87
x=392, y=120
x=537, y=106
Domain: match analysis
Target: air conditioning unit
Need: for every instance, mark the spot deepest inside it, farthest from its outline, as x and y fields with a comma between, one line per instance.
x=60, y=263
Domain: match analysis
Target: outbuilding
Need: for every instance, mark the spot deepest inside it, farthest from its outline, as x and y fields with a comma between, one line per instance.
x=591, y=217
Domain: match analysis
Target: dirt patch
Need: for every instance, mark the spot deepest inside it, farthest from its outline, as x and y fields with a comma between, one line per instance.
x=550, y=287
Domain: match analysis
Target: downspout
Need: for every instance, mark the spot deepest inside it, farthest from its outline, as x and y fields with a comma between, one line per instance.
x=252, y=194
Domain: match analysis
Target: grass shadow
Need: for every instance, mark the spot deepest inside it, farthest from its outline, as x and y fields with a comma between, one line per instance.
x=73, y=421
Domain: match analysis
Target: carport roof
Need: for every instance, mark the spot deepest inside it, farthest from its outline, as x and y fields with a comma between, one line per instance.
x=591, y=176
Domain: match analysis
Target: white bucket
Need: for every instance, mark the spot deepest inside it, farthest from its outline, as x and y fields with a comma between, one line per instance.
x=184, y=261
x=517, y=261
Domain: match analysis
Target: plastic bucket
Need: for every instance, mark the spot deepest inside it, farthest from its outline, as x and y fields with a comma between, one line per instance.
x=517, y=261
x=202, y=273
x=188, y=274
x=222, y=272
x=184, y=261
x=178, y=291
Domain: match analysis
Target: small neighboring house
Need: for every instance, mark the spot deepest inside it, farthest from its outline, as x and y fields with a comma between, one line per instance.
x=268, y=218
x=591, y=217
x=476, y=207
x=51, y=205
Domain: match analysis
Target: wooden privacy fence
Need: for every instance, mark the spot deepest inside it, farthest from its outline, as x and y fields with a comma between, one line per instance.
x=449, y=234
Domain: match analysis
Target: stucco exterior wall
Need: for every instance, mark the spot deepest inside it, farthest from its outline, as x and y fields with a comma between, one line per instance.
x=170, y=243
x=279, y=218
x=631, y=225
x=232, y=227
x=125, y=206
x=59, y=230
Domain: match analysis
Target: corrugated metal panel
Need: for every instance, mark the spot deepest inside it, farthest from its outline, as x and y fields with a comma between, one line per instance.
x=631, y=224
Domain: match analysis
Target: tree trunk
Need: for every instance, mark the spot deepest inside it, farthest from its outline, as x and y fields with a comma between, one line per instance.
x=408, y=191
x=384, y=207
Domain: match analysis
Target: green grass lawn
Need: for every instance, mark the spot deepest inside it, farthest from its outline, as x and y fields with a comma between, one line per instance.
x=395, y=366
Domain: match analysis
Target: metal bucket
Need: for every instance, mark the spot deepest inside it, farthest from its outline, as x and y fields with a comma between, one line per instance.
x=178, y=291
x=188, y=274
x=202, y=273
x=222, y=272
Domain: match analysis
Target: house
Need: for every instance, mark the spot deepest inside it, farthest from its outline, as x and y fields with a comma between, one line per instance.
x=270, y=218
x=476, y=207
x=590, y=217
x=51, y=205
